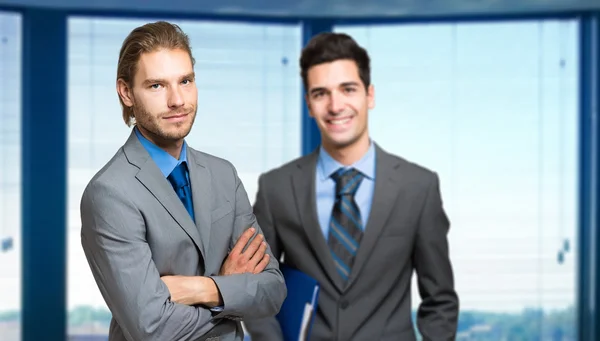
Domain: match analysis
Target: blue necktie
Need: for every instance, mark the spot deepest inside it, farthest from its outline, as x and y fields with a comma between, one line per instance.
x=179, y=181
x=345, y=226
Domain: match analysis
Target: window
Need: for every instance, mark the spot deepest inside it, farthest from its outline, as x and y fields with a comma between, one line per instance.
x=248, y=113
x=10, y=176
x=491, y=107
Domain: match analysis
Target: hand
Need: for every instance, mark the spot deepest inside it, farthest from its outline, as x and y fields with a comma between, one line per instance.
x=252, y=260
x=192, y=290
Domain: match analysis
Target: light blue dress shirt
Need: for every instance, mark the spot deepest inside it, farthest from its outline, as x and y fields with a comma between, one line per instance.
x=325, y=186
x=166, y=163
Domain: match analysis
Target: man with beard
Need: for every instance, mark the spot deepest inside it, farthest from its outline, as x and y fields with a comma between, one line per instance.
x=168, y=231
x=355, y=218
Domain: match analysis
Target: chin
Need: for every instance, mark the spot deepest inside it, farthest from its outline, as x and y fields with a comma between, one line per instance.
x=348, y=139
x=342, y=143
x=175, y=134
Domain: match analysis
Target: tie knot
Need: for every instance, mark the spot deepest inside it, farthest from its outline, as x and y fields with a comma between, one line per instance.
x=177, y=178
x=347, y=181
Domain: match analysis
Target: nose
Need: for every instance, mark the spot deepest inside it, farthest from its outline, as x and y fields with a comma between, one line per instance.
x=336, y=102
x=175, y=98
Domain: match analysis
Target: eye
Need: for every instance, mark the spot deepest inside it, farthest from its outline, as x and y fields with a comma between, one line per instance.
x=186, y=81
x=349, y=89
x=155, y=86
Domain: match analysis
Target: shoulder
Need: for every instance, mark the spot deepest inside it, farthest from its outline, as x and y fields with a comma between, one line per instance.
x=222, y=171
x=213, y=162
x=402, y=167
x=305, y=163
x=112, y=181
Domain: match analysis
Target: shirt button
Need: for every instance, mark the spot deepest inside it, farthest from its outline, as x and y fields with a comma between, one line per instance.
x=344, y=304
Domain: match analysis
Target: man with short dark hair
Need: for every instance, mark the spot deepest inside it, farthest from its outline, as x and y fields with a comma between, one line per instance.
x=355, y=218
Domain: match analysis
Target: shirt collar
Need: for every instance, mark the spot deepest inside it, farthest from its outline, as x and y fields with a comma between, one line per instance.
x=327, y=165
x=165, y=161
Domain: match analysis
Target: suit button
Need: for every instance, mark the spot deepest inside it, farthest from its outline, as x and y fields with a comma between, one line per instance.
x=344, y=304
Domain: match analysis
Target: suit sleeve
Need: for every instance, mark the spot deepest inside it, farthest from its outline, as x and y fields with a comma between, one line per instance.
x=265, y=329
x=250, y=295
x=113, y=239
x=438, y=313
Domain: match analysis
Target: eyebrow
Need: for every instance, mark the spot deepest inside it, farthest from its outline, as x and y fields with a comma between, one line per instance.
x=191, y=75
x=344, y=84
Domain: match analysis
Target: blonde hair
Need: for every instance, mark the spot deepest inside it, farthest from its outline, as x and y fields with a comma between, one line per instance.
x=144, y=39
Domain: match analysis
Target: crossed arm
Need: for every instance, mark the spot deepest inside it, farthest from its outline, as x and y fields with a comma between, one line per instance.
x=193, y=290
x=113, y=237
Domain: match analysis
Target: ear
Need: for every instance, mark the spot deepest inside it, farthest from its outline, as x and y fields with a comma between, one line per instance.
x=125, y=93
x=371, y=96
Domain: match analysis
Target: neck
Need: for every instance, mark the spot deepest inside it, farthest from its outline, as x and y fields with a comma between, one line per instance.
x=173, y=147
x=347, y=155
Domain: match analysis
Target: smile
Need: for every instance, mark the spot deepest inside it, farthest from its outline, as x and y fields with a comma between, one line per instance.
x=340, y=121
x=175, y=118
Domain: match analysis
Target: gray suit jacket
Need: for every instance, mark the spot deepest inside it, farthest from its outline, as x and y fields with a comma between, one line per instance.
x=407, y=230
x=135, y=229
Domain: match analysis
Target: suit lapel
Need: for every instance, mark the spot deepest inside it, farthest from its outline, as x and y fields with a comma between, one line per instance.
x=303, y=180
x=387, y=188
x=200, y=179
x=151, y=177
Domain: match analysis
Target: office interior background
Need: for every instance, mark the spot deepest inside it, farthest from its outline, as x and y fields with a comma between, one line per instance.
x=499, y=97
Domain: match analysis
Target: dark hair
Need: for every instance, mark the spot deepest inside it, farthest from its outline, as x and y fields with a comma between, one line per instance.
x=328, y=47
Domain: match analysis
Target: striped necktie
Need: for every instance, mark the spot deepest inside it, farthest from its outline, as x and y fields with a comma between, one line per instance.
x=345, y=227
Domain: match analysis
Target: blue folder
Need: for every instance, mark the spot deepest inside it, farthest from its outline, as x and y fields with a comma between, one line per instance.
x=298, y=311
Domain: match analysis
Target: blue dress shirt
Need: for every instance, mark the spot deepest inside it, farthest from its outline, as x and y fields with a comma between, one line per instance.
x=325, y=186
x=166, y=163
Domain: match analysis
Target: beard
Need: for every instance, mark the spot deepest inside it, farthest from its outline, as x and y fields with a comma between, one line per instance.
x=170, y=132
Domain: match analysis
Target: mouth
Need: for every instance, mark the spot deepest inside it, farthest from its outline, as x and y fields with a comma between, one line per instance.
x=176, y=117
x=339, y=123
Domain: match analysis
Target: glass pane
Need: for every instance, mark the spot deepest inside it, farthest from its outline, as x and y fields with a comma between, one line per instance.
x=491, y=107
x=10, y=176
x=248, y=113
